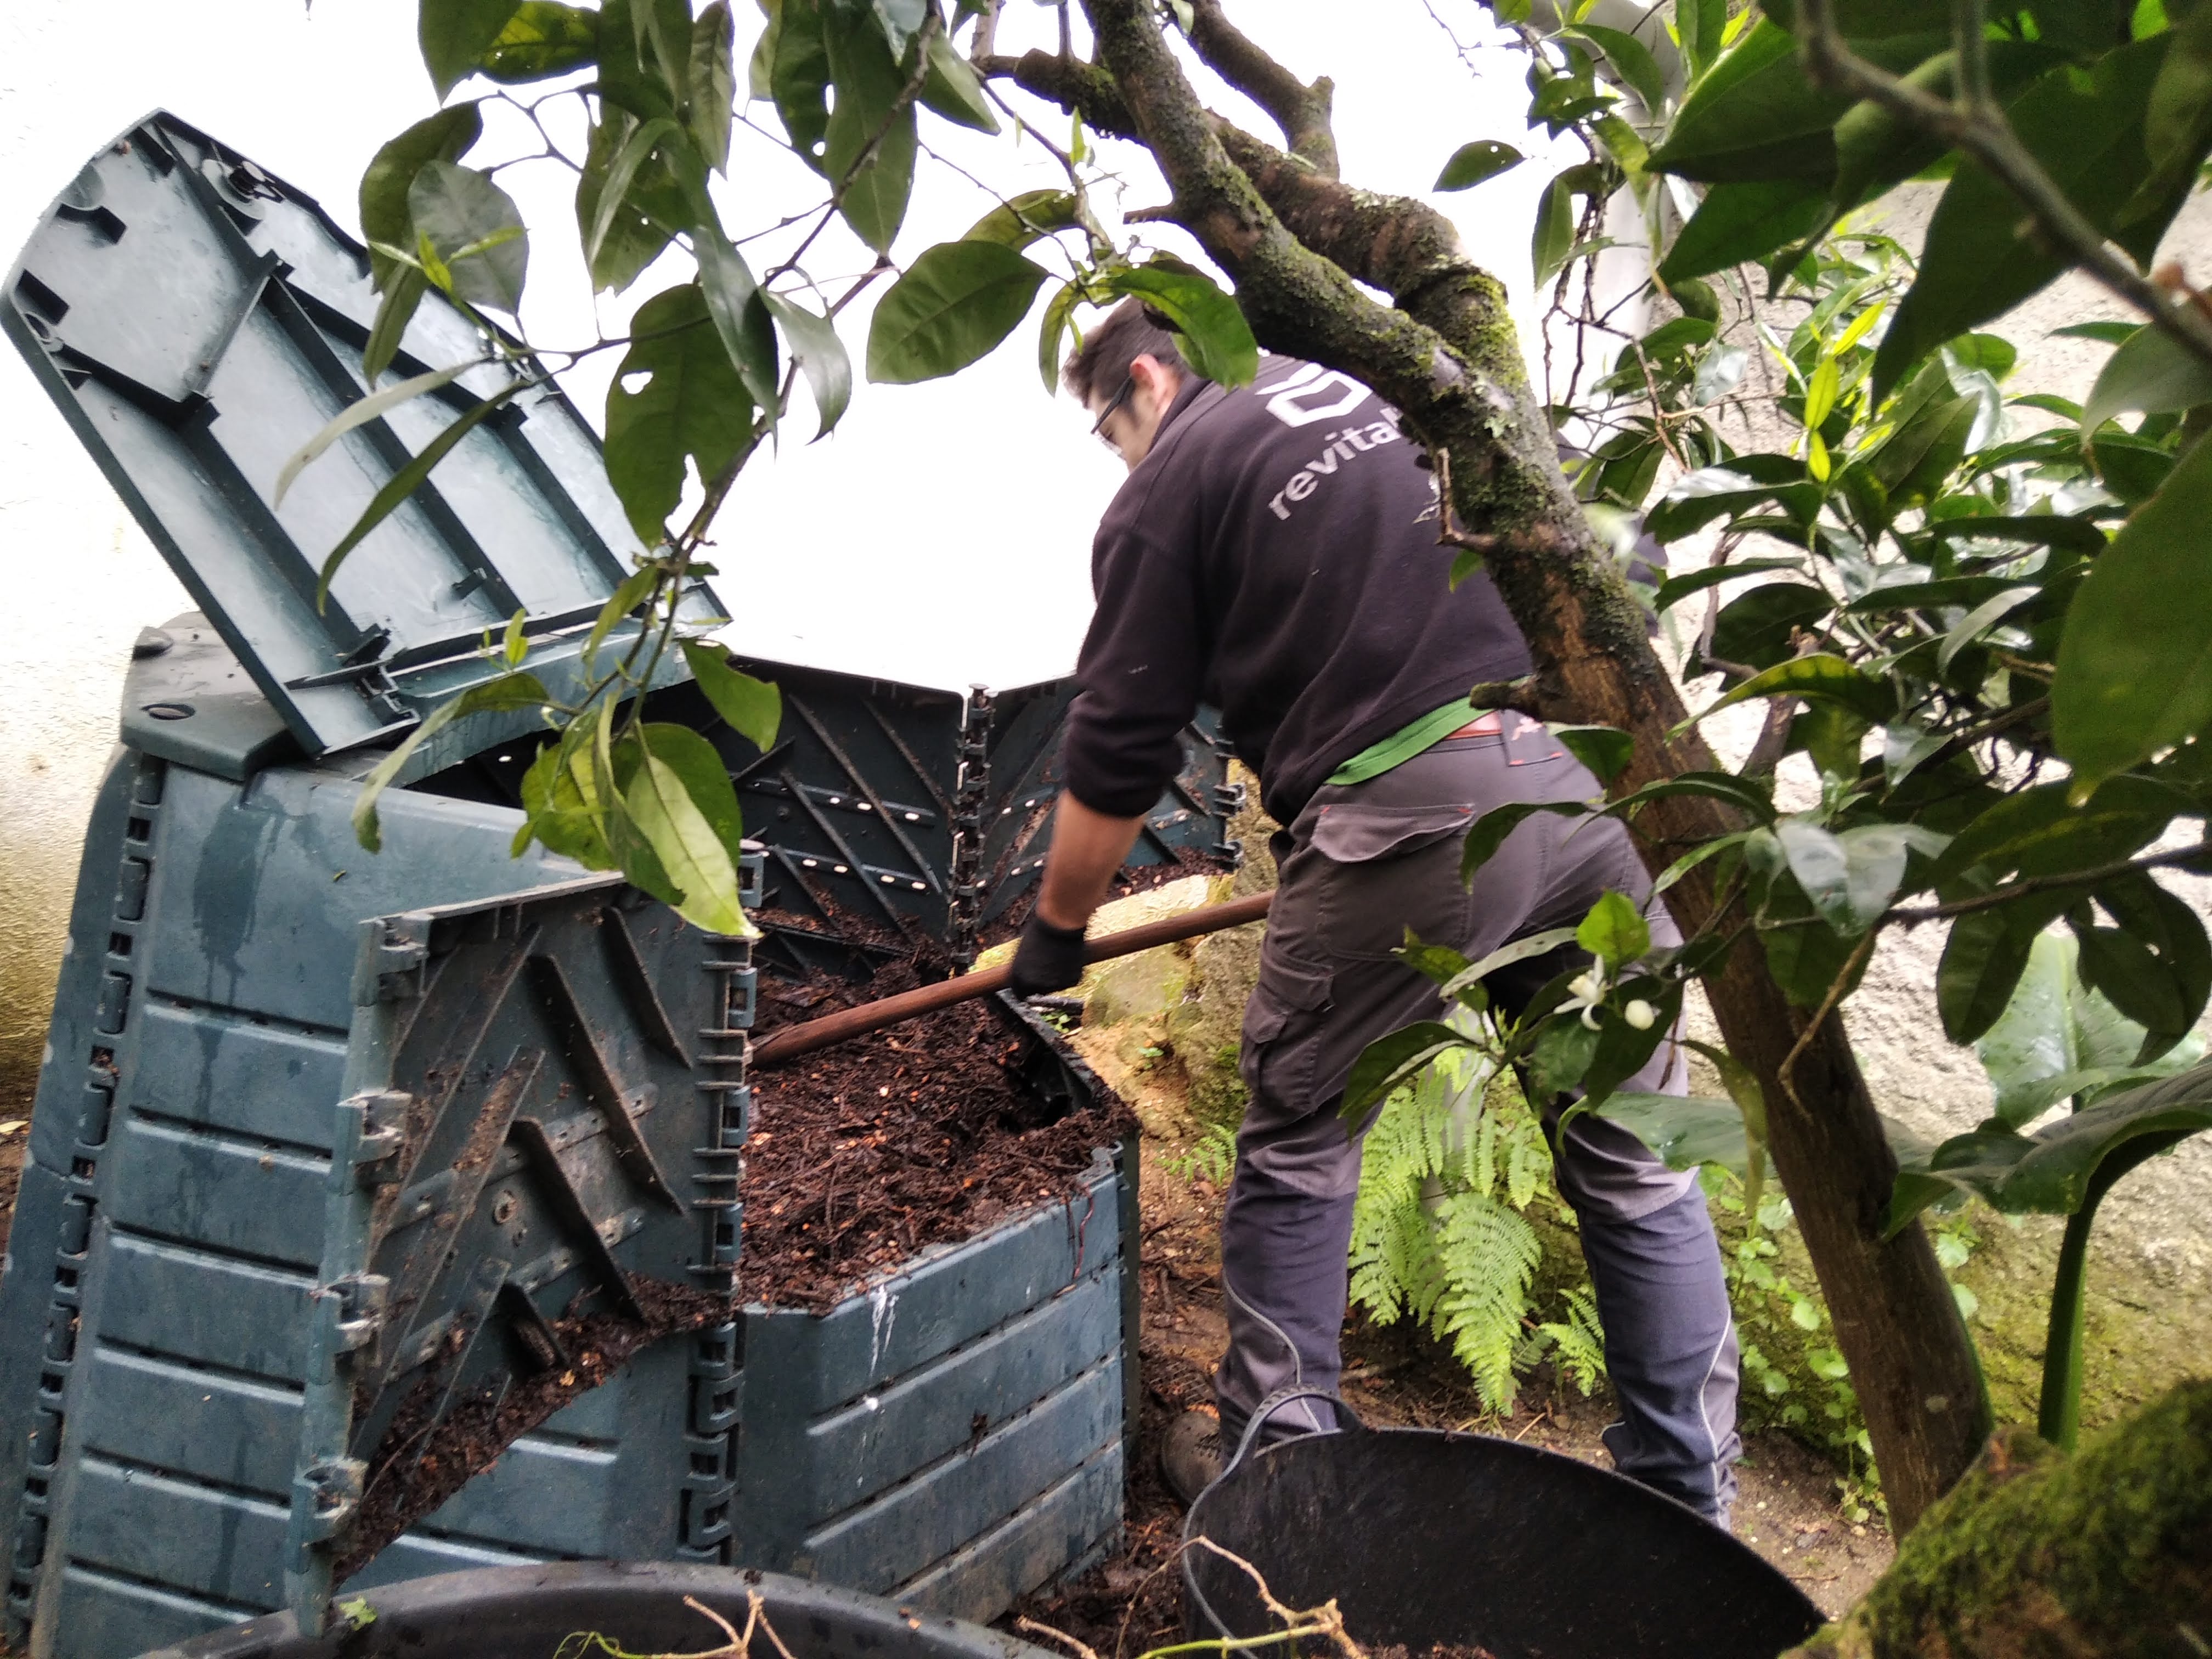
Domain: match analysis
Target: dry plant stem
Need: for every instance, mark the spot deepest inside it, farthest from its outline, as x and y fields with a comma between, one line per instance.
x=1084, y=1650
x=1977, y=125
x=1298, y=245
x=1326, y=1619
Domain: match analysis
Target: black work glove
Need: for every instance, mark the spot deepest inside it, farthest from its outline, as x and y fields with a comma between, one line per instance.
x=1049, y=958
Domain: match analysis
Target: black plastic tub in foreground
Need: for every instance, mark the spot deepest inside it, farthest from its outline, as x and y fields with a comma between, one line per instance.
x=1426, y=1539
x=526, y=1613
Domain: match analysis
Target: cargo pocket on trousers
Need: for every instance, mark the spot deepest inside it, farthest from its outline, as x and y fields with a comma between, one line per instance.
x=1282, y=1023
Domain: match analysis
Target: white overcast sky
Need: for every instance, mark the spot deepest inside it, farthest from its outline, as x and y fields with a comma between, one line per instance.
x=942, y=534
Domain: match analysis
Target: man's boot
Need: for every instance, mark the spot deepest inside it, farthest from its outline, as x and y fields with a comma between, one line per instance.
x=1191, y=1456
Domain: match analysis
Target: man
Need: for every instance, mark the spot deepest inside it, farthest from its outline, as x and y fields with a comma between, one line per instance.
x=1274, y=553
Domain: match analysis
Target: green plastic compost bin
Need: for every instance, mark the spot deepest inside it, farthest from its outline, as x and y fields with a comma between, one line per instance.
x=347, y=1170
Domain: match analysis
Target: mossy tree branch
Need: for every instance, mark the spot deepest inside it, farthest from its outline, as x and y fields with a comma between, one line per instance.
x=1300, y=109
x=1298, y=245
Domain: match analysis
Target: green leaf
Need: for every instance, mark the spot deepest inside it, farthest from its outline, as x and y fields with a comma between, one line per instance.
x=1470, y=164
x=1754, y=116
x=2049, y=1173
x=869, y=142
x=1852, y=877
x=901, y=20
x=1675, y=589
x=1564, y=1050
x=2171, y=934
x=504, y=695
x=1743, y=794
x=1631, y=61
x=821, y=357
x=635, y=76
x=1059, y=311
x=1555, y=233
x=445, y=137
x=956, y=302
x=1978, y=621
x=1703, y=24
x=2135, y=667
x=798, y=74
x=2177, y=119
x=642, y=218
x=753, y=708
x=741, y=315
x=1389, y=1061
x=1021, y=220
x=1521, y=950
x=1616, y=930
x=1822, y=676
x=1684, y=1131
x=1983, y=255
x=693, y=404
x=620, y=604
x=711, y=84
x=1833, y=736
x=404, y=484
x=1439, y=963
x=1490, y=830
x=1744, y=481
x=1739, y=222
x=611, y=197
x=543, y=39
x=560, y=803
x=1216, y=339
x=2151, y=373
x=705, y=779
x=393, y=312
x=950, y=87
x=687, y=845
x=476, y=230
x=1605, y=750
x=360, y=414
x=1982, y=961
x=454, y=34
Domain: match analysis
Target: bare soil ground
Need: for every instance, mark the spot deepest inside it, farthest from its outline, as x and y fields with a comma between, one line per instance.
x=1786, y=1509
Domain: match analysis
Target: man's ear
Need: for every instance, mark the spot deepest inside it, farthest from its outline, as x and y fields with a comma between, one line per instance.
x=1153, y=376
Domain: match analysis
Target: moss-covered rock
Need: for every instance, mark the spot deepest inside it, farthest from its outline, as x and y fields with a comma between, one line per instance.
x=2106, y=1554
x=1205, y=1026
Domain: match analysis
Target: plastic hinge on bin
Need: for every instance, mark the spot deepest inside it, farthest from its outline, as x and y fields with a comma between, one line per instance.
x=523, y=1123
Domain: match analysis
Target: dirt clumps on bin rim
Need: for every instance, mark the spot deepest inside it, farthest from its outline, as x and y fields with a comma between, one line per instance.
x=423, y=1459
x=864, y=1153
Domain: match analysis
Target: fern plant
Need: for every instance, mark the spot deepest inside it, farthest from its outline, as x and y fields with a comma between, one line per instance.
x=1440, y=1234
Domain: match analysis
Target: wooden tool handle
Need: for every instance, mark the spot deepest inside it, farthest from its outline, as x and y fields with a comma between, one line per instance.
x=928, y=999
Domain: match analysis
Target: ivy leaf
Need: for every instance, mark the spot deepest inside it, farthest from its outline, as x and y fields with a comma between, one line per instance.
x=404, y=484
x=504, y=695
x=476, y=230
x=691, y=403
x=1471, y=164
x=1213, y=333
x=949, y=86
x=445, y=137
x=821, y=356
x=543, y=39
x=956, y=302
x=1021, y=220
x=1389, y=1061
x=753, y=707
x=711, y=84
x=455, y=34
x=876, y=182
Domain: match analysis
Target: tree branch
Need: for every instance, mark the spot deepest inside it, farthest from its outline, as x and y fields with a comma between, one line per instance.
x=1301, y=111
x=1980, y=130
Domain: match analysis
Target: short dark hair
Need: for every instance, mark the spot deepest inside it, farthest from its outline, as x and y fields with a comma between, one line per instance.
x=1132, y=329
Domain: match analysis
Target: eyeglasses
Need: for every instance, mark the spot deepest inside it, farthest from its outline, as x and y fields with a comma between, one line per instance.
x=1098, y=427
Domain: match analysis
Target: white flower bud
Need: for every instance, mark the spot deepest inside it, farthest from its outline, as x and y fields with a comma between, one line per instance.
x=1640, y=1014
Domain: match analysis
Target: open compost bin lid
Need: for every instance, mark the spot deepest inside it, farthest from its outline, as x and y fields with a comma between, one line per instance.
x=199, y=320
x=536, y=1173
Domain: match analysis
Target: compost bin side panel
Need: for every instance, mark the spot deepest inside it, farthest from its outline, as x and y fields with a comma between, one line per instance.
x=215, y=1015
x=947, y=1429
x=74, y=1097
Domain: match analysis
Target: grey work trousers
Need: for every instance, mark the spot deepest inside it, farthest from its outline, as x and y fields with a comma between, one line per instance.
x=1363, y=863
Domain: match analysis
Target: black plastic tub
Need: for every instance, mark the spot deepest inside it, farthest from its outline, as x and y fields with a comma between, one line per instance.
x=526, y=1613
x=1427, y=1539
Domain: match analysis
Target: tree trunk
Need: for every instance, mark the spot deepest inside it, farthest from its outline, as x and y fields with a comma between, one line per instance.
x=1295, y=239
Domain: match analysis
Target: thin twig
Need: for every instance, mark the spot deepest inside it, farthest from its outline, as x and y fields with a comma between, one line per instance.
x=1035, y=1629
